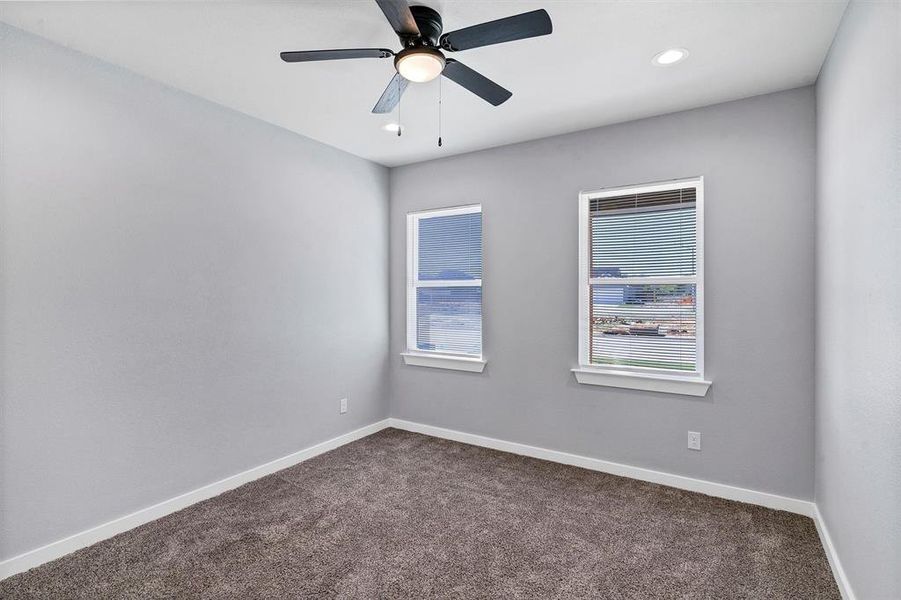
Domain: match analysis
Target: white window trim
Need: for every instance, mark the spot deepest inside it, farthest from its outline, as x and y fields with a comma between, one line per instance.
x=444, y=361
x=426, y=358
x=640, y=378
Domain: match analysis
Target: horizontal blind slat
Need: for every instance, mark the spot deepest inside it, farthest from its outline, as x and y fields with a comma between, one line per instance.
x=643, y=200
x=645, y=244
x=449, y=319
x=450, y=247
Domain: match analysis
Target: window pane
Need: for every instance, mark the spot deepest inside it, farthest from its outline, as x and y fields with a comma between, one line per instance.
x=644, y=326
x=650, y=243
x=450, y=247
x=449, y=319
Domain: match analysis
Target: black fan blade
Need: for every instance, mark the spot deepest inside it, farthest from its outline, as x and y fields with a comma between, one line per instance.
x=519, y=27
x=391, y=95
x=311, y=55
x=398, y=14
x=475, y=82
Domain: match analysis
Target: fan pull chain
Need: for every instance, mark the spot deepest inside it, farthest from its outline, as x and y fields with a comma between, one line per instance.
x=439, y=111
x=399, y=127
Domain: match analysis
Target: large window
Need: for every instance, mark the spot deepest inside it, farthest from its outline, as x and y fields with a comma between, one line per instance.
x=444, y=285
x=641, y=283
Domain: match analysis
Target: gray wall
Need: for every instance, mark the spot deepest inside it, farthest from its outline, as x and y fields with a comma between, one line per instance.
x=757, y=156
x=186, y=292
x=858, y=352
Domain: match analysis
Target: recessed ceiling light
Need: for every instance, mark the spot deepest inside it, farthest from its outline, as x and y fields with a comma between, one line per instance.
x=670, y=57
x=392, y=127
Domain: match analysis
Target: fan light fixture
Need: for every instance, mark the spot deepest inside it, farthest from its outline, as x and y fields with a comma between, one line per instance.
x=419, y=65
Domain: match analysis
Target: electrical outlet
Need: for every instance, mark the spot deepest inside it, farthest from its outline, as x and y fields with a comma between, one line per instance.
x=694, y=440
x=343, y=405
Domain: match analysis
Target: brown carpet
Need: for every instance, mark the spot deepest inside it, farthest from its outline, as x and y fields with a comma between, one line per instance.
x=401, y=515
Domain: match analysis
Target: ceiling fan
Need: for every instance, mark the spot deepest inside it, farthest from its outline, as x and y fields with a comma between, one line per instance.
x=422, y=57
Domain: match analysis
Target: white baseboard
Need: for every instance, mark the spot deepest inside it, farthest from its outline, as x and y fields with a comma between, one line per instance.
x=54, y=550
x=719, y=490
x=844, y=586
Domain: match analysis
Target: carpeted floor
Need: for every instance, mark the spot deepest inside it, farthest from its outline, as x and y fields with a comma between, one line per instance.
x=400, y=515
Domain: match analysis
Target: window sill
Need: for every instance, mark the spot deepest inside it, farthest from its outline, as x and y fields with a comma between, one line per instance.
x=444, y=361
x=688, y=386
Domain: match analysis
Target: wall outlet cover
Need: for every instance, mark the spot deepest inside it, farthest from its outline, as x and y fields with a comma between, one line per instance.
x=343, y=405
x=694, y=440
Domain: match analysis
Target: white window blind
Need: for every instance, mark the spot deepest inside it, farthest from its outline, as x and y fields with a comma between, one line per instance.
x=444, y=281
x=642, y=279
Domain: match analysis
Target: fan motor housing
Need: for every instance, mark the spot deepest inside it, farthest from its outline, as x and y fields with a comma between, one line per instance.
x=429, y=22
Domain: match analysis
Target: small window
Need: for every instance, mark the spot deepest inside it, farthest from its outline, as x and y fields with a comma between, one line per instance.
x=641, y=281
x=444, y=283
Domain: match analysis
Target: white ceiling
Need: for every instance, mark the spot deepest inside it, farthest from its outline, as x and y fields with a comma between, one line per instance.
x=593, y=70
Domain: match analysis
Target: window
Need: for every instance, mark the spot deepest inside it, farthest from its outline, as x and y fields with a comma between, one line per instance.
x=444, y=288
x=641, y=287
